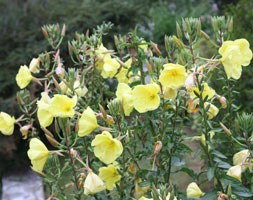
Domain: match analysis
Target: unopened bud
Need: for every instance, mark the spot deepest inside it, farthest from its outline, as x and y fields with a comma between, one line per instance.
x=230, y=25
x=25, y=130
x=155, y=48
x=223, y=101
x=158, y=147
x=60, y=71
x=226, y=130
x=34, y=66
x=73, y=153
x=178, y=42
x=63, y=31
x=204, y=34
x=44, y=31
x=179, y=32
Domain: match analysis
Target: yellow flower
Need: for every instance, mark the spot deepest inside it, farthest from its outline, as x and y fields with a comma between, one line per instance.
x=169, y=93
x=34, y=66
x=79, y=89
x=122, y=75
x=93, y=184
x=212, y=111
x=23, y=77
x=101, y=54
x=146, y=97
x=63, y=106
x=240, y=158
x=173, y=76
x=124, y=94
x=235, y=171
x=109, y=175
x=64, y=88
x=44, y=114
x=106, y=148
x=193, y=191
x=235, y=54
x=207, y=91
x=6, y=123
x=87, y=123
x=38, y=154
x=110, y=68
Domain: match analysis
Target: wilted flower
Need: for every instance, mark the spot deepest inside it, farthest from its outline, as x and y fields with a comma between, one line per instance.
x=235, y=54
x=6, y=123
x=34, y=66
x=25, y=130
x=125, y=95
x=93, y=184
x=106, y=148
x=87, y=123
x=63, y=106
x=23, y=77
x=38, y=154
x=173, y=76
x=109, y=175
x=146, y=97
x=193, y=191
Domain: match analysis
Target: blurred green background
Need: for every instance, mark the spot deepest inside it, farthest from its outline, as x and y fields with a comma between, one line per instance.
x=21, y=39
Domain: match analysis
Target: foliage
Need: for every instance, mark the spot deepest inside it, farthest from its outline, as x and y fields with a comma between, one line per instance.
x=117, y=120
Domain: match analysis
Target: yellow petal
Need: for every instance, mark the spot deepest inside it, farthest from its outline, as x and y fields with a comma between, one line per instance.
x=146, y=97
x=87, y=123
x=109, y=175
x=193, y=191
x=93, y=184
x=23, y=77
x=6, y=123
x=235, y=171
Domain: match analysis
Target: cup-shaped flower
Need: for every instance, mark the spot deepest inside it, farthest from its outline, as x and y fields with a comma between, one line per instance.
x=87, y=123
x=207, y=92
x=235, y=171
x=62, y=106
x=23, y=77
x=93, y=184
x=173, y=76
x=169, y=93
x=235, y=54
x=212, y=111
x=193, y=191
x=110, y=68
x=44, y=114
x=109, y=175
x=146, y=97
x=106, y=148
x=102, y=53
x=125, y=95
x=34, y=65
x=6, y=123
x=240, y=158
x=38, y=154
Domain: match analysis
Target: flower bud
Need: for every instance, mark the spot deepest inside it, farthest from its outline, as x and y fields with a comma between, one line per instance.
x=226, y=130
x=25, y=130
x=193, y=191
x=60, y=71
x=34, y=65
x=158, y=147
x=178, y=42
x=223, y=101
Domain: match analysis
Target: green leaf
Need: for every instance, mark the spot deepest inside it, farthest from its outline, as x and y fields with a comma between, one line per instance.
x=210, y=173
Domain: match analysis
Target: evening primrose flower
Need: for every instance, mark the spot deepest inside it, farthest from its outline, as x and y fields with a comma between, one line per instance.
x=79, y=89
x=240, y=158
x=125, y=95
x=63, y=106
x=193, y=191
x=110, y=68
x=235, y=54
x=106, y=148
x=87, y=123
x=6, y=123
x=23, y=77
x=212, y=111
x=146, y=97
x=109, y=175
x=169, y=93
x=173, y=76
x=93, y=184
x=235, y=171
x=34, y=65
x=44, y=114
x=38, y=154
x=207, y=91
